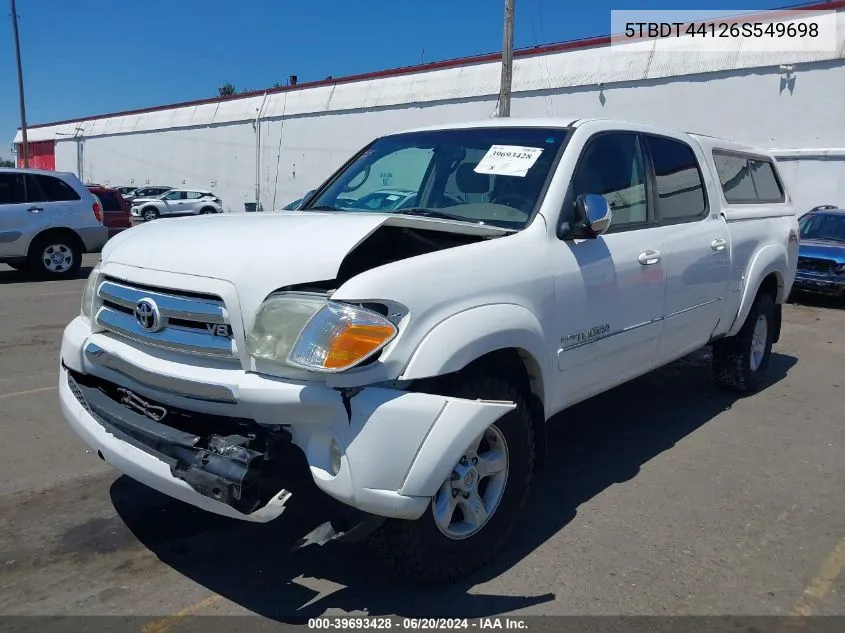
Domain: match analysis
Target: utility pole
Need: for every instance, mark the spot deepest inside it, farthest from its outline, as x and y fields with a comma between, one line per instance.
x=20, y=84
x=507, y=62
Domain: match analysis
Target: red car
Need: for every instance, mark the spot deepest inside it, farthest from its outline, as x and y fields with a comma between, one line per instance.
x=116, y=215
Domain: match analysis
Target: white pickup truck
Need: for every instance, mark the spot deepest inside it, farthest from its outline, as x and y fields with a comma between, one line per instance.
x=407, y=361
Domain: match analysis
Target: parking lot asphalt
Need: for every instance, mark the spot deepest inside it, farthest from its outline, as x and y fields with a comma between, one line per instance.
x=664, y=496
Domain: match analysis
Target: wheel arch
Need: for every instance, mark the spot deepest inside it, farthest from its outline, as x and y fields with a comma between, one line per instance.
x=57, y=231
x=765, y=274
x=505, y=337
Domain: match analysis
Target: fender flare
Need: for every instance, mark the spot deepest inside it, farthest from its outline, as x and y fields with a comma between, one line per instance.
x=466, y=336
x=771, y=258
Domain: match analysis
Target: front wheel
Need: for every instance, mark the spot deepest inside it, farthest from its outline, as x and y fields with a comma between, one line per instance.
x=473, y=512
x=150, y=214
x=740, y=362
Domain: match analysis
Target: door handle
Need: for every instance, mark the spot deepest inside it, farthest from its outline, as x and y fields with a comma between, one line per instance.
x=649, y=257
x=35, y=209
x=718, y=244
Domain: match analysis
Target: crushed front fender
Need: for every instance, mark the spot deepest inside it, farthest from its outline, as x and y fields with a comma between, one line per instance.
x=398, y=449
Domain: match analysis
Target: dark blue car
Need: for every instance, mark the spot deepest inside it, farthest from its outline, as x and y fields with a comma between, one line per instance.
x=821, y=257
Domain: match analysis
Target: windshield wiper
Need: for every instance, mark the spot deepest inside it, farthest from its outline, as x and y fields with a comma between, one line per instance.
x=432, y=213
x=322, y=207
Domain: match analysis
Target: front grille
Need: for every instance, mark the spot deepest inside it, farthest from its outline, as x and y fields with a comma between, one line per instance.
x=175, y=320
x=816, y=265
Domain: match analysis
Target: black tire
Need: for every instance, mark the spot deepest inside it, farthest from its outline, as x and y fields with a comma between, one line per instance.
x=149, y=214
x=733, y=367
x=68, y=253
x=207, y=210
x=419, y=550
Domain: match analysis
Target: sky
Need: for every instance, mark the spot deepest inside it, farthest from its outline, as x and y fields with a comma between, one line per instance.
x=87, y=57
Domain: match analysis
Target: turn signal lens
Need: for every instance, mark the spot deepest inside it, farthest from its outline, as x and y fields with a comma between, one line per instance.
x=340, y=336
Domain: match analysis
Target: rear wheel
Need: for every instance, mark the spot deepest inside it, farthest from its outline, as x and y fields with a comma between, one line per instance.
x=56, y=256
x=473, y=512
x=740, y=362
x=150, y=214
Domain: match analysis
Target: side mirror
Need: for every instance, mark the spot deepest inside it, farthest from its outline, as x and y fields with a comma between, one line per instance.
x=592, y=215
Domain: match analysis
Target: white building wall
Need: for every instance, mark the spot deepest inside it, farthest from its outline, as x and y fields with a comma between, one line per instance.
x=304, y=134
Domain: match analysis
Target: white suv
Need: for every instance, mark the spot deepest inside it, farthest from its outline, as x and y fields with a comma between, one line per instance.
x=177, y=202
x=47, y=221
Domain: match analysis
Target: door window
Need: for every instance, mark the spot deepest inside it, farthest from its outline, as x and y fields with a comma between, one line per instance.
x=175, y=195
x=194, y=195
x=612, y=166
x=19, y=189
x=55, y=189
x=680, y=189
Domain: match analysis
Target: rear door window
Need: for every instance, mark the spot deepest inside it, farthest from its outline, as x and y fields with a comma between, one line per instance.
x=680, y=189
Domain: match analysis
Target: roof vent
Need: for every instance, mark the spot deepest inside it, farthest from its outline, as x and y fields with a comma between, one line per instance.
x=292, y=80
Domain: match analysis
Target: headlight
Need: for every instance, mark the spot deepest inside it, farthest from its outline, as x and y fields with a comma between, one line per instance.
x=316, y=334
x=840, y=269
x=89, y=293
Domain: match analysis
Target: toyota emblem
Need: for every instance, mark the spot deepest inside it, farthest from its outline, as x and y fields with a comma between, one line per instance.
x=147, y=315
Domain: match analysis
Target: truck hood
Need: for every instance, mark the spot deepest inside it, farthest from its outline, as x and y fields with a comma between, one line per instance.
x=259, y=253
x=819, y=249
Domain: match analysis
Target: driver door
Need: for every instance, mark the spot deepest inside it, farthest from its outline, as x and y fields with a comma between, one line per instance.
x=609, y=290
x=174, y=202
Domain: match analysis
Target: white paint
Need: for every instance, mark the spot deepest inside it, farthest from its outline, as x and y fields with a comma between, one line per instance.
x=528, y=290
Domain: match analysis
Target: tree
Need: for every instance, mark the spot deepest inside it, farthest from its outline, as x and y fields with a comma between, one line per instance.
x=6, y=163
x=226, y=90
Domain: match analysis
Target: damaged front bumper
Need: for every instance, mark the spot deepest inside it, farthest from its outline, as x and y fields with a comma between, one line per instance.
x=234, y=456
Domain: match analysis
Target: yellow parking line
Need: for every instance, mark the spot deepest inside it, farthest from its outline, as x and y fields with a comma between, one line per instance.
x=26, y=392
x=820, y=584
x=165, y=624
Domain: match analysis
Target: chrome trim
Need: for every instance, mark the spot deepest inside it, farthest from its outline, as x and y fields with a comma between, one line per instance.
x=637, y=326
x=649, y=257
x=691, y=308
x=603, y=337
x=172, y=337
x=171, y=306
x=96, y=355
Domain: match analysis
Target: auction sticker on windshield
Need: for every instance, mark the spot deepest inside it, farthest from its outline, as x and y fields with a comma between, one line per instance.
x=508, y=160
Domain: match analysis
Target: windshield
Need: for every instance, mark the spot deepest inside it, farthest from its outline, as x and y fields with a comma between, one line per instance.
x=483, y=175
x=824, y=226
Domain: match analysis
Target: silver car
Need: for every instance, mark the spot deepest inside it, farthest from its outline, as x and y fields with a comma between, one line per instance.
x=177, y=202
x=48, y=220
